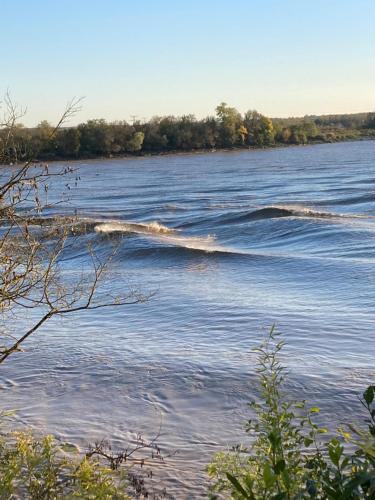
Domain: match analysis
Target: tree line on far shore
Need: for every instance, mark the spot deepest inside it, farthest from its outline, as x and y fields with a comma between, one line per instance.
x=226, y=130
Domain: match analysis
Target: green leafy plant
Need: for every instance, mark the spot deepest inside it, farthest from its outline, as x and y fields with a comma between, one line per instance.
x=43, y=468
x=39, y=469
x=289, y=458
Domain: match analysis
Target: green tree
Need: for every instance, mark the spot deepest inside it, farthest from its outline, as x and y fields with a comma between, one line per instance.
x=68, y=142
x=43, y=140
x=135, y=143
x=121, y=133
x=95, y=138
x=260, y=129
x=230, y=122
x=370, y=121
x=297, y=135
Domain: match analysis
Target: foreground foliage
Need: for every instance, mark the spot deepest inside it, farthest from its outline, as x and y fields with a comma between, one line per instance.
x=44, y=468
x=289, y=458
x=38, y=469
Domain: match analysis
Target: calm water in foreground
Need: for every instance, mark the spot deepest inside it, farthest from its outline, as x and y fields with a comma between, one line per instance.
x=283, y=236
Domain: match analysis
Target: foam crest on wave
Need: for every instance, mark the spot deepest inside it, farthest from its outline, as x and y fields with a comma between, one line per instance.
x=83, y=225
x=202, y=243
x=292, y=211
x=134, y=227
x=302, y=211
x=278, y=211
x=164, y=235
x=153, y=230
x=273, y=212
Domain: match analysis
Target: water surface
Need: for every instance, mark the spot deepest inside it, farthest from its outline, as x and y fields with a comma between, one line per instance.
x=231, y=243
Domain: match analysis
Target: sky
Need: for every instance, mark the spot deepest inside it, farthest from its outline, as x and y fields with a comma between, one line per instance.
x=162, y=57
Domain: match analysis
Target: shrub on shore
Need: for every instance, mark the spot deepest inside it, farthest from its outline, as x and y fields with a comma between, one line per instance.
x=289, y=458
x=39, y=469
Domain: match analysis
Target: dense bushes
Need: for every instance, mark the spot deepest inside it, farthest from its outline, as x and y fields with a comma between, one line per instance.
x=39, y=469
x=47, y=469
x=289, y=458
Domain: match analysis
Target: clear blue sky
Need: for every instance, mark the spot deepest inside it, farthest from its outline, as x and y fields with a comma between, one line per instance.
x=157, y=57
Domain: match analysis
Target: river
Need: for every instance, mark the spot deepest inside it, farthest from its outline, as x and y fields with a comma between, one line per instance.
x=228, y=244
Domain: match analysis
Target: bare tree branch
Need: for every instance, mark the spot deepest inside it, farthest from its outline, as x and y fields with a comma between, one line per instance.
x=32, y=246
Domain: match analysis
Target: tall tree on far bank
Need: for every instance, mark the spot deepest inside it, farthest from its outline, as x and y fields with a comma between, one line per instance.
x=260, y=129
x=230, y=123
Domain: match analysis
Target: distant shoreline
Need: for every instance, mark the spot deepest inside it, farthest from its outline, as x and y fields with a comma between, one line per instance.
x=227, y=131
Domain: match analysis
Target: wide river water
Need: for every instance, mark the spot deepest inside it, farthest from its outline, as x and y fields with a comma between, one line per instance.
x=229, y=243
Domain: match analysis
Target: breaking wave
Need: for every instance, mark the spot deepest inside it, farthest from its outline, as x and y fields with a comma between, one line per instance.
x=81, y=225
x=278, y=211
x=132, y=227
x=164, y=235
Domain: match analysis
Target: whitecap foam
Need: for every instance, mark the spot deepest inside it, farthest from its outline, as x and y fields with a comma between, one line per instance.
x=303, y=211
x=132, y=227
x=163, y=234
x=203, y=243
